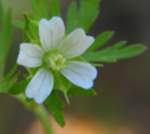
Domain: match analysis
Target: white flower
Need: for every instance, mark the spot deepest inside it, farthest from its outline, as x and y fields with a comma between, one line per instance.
x=57, y=52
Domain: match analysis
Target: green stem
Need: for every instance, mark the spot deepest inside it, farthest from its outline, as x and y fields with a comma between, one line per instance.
x=42, y=115
x=39, y=111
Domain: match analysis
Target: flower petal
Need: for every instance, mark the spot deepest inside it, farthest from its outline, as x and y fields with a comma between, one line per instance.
x=80, y=73
x=76, y=43
x=40, y=86
x=30, y=55
x=51, y=32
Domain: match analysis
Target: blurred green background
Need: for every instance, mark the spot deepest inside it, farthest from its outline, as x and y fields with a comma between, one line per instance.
x=123, y=89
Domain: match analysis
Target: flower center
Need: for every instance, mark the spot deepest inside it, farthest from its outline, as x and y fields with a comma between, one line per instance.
x=55, y=60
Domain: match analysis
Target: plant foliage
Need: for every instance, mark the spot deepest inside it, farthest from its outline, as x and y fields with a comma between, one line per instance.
x=82, y=14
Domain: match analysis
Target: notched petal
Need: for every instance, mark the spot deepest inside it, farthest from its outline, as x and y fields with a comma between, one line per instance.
x=30, y=55
x=81, y=74
x=51, y=32
x=41, y=85
x=76, y=43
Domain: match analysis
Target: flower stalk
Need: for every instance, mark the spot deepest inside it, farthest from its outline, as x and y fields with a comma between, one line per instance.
x=42, y=114
x=39, y=111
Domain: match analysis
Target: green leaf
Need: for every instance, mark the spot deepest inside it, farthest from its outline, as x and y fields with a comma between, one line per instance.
x=101, y=40
x=61, y=83
x=19, y=87
x=55, y=7
x=9, y=80
x=77, y=91
x=131, y=51
x=72, y=17
x=31, y=29
x=119, y=44
x=6, y=84
x=115, y=53
x=40, y=9
x=5, y=38
x=55, y=106
x=83, y=15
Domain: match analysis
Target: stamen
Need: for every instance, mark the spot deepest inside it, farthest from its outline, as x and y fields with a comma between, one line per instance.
x=55, y=61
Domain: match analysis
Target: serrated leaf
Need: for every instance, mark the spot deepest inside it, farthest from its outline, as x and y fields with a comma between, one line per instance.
x=131, y=51
x=55, y=106
x=101, y=40
x=55, y=7
x=77, y=91
x=107, y=55
x=89, y=10
x=40, y=9
x=83, y=15
x=115, y=53
x=119, y=44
